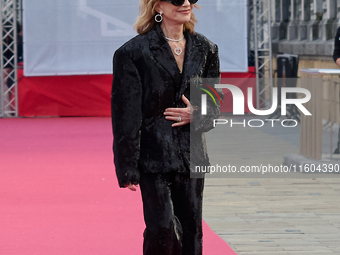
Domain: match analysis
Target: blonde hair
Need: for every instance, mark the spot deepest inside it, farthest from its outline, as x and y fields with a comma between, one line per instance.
x=146, y=18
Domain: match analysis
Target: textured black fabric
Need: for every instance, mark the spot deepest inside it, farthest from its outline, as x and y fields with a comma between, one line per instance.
x=146, y=81
x=172, y=205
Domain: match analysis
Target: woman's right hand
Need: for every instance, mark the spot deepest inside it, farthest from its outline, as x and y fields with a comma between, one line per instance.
x=131, y=187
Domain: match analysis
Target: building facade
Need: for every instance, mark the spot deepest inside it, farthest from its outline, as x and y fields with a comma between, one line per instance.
x=306, y=28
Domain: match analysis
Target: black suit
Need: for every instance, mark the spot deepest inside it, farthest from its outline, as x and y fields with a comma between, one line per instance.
x=146, y=81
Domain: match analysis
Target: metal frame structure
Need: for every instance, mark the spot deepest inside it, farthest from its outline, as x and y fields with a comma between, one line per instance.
x=260, y=45
x=8, y=75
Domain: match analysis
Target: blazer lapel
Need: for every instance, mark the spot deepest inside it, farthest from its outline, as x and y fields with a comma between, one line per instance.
x=194, y=58
x=162, y=52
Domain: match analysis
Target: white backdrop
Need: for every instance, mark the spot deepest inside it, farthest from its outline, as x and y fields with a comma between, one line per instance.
x=67, y=37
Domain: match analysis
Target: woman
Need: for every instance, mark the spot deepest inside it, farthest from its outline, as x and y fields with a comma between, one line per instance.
x=152, y=116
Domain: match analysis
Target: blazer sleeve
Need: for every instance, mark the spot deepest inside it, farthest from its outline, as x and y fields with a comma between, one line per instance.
x=126, y=117
x=336, y=52
x=212, y=76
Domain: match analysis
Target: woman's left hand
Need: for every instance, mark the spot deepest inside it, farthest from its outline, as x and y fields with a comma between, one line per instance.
x=181, y=116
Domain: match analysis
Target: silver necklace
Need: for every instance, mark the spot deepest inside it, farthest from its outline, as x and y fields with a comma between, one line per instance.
x=178, y=50
x=174, y=40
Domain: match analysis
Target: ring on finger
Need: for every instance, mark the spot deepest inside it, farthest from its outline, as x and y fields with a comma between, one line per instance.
x=179, y=119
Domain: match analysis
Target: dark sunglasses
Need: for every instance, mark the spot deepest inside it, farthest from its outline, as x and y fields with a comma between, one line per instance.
x=179, y=2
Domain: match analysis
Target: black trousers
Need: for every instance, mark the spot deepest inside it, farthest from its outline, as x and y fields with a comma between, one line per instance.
x=172, y=205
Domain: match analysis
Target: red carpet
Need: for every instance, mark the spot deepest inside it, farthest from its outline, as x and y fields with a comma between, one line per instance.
x=59, y=194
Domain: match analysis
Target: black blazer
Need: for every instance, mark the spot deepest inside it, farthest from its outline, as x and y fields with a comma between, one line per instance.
x=146, y=81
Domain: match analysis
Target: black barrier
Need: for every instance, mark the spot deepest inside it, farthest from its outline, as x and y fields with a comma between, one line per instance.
x=287, y=71
x=287, y=66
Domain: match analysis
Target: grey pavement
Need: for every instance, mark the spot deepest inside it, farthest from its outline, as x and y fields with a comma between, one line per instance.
x=280, y=213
